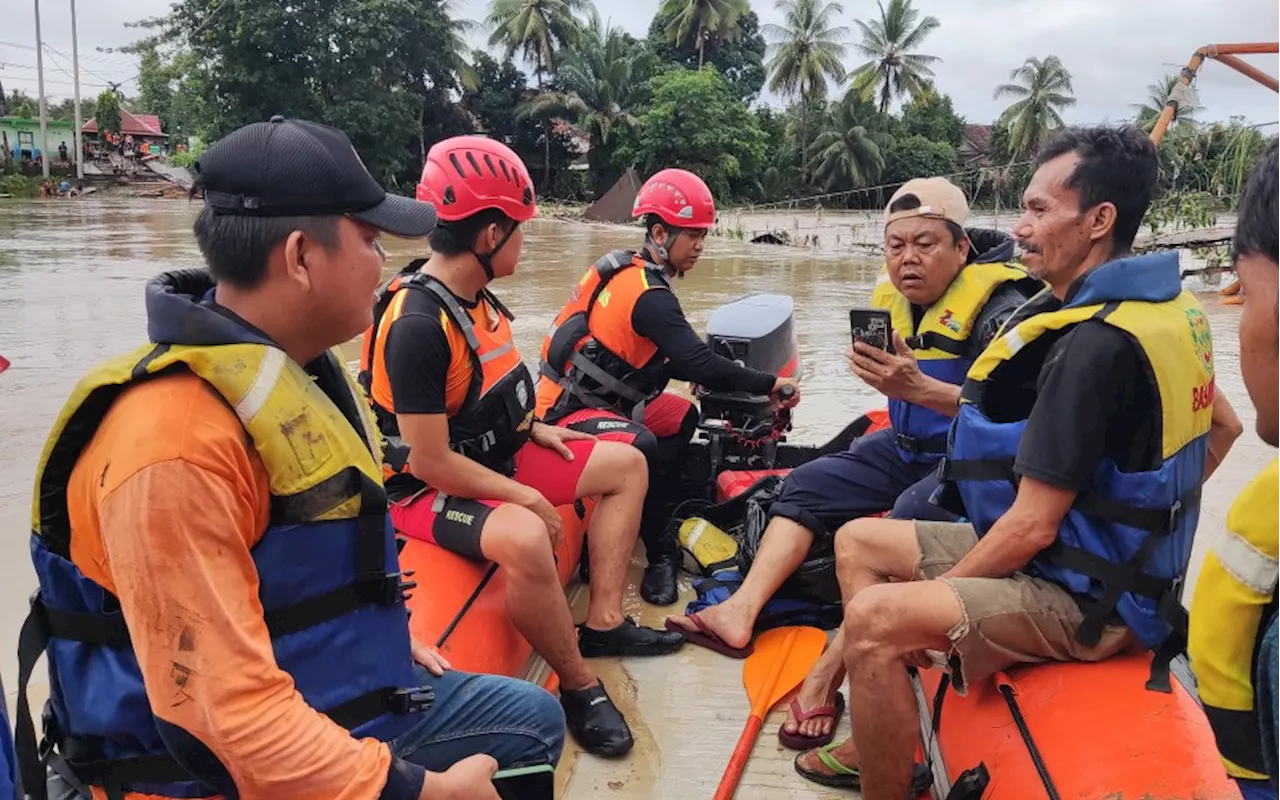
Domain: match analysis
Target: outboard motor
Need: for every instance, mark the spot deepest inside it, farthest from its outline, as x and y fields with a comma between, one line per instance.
x=757, y=331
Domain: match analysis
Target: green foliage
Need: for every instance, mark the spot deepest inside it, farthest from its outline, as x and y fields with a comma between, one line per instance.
x=18, y=185
x=740, y=58
x=894, y=68
x=722, y=142
x=1042, y=90
x=932, y=116
x=108, y=112
x=691, y=24
x=917, y=157
x=495, y=106
x=397, y=76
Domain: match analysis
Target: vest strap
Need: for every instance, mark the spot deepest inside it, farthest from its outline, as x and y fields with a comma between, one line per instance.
x=396, y=453
x=1236, y=733
x=916, y=446
x=932, y=340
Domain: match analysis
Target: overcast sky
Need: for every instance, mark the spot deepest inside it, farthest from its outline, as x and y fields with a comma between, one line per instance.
x=1114, y=48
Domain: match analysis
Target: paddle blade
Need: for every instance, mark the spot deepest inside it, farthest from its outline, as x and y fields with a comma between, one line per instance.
x=781, y=660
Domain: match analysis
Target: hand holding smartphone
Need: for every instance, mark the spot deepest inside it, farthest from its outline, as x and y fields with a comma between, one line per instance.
x=872, y=326
x=526, y=783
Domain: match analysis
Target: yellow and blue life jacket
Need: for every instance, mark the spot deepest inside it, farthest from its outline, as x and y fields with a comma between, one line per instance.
x=941, y=345
x=1234, y=602
x=327, y=565
x=1123, y=546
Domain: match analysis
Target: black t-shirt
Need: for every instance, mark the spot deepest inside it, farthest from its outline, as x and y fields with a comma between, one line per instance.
x=1092, y=397
x=418, y=356
x=657, y=316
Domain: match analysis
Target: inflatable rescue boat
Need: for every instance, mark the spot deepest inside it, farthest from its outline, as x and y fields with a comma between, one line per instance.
x=1059, y=731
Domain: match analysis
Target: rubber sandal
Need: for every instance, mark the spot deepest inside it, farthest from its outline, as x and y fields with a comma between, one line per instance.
x=705, y=637
x=798, y=741
x=849, y=777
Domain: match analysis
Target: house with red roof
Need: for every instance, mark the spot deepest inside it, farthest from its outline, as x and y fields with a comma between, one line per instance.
x=144, y=128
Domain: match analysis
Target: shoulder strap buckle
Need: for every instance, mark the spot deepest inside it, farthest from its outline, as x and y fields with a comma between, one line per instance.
x=411, y=701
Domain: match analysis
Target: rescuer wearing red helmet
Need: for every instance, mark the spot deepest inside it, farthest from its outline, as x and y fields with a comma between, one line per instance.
x=622, y=336
x=470, y=467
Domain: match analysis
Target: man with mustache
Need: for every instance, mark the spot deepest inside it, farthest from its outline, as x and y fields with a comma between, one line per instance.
x=947, y=289
x=1082, y=437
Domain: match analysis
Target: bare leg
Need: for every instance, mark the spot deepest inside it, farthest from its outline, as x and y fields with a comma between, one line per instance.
x=517, y=541
x=617, y=472
x=869, y=553
x=782, y=549
x=883, y=624
x=819, y=689
x=822, y=682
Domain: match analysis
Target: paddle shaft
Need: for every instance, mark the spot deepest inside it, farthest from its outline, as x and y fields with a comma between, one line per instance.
x=738, y=762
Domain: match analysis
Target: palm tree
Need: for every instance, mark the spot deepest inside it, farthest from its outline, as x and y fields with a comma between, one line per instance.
x=700, y=19
x=1157, y=96
x=849, y=152
x=539, y=29
x=804, y=53
x=893, y=69
x=598, y=81
x=1044, y=89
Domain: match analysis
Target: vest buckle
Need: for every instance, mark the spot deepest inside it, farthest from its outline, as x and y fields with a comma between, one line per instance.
x=1175, y=514
x=411, y=701
x=382, y=590
x=908, y=444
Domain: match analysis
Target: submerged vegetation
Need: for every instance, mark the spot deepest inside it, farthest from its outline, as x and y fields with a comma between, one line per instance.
x=582, y=100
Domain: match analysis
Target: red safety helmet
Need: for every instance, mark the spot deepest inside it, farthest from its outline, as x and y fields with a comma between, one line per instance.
x=467, y=174
x=680, y=198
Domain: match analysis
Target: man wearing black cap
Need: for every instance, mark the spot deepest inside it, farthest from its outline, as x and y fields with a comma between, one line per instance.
x=219, y=599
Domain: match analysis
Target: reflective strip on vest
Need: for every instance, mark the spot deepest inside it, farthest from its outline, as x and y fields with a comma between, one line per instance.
x=1248, y=565
x=320, y=605
x=941, y=345
x=1134, y=527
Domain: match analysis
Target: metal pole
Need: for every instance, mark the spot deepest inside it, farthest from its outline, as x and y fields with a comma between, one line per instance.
x=75, y=61
x=44, y=118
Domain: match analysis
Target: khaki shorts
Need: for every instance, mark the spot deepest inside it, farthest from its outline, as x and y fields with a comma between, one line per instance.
x=1007, y=621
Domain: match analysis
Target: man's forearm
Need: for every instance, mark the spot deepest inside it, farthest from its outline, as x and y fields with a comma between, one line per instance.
x=1008, y=547
x=1224, y=429
x=937, y=395
x=455, y=474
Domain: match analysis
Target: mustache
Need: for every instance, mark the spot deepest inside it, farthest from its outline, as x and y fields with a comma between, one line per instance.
x=1026, y=246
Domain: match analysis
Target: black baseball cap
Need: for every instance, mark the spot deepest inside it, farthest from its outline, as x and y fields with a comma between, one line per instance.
x=291, y=167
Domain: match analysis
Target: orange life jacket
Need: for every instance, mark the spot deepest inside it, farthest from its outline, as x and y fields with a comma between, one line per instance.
x=491, y=419
x=592, y=357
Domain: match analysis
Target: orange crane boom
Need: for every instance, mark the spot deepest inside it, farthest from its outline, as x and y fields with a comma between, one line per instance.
x=1228, y=54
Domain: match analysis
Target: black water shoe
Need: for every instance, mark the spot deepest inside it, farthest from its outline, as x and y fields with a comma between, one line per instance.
x=659, y=585
x=628, y=639
x=595, y=722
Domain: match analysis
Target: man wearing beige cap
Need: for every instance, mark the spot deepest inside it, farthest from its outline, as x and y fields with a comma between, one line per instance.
x=947, y=290
x=1083, y=434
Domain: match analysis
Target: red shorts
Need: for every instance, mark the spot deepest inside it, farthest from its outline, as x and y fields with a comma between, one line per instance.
x=455, y=523
x=664, y=416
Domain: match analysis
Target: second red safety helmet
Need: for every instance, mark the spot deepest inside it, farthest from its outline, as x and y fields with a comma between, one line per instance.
x=467, y=174
x=680, y=198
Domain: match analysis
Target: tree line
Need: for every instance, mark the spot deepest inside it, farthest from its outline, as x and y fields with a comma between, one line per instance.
x=861, y=107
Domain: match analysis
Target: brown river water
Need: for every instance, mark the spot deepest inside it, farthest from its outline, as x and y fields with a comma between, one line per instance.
x=71, y=294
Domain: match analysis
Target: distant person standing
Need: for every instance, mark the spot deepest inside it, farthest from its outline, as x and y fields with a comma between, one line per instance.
x=62, y=153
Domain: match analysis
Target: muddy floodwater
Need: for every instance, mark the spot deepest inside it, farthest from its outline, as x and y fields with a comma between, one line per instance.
x=71, y=294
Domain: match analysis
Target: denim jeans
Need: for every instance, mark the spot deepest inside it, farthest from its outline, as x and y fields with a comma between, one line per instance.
x=516, y=722
x=1266, y=695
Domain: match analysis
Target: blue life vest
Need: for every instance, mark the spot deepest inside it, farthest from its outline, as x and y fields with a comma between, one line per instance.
x=8, y=758
x=1123, y=547
x=327, y=565
x=941, y=345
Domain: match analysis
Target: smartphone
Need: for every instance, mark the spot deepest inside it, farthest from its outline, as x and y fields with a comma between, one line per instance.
x=873, y=326
x=526, y=783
